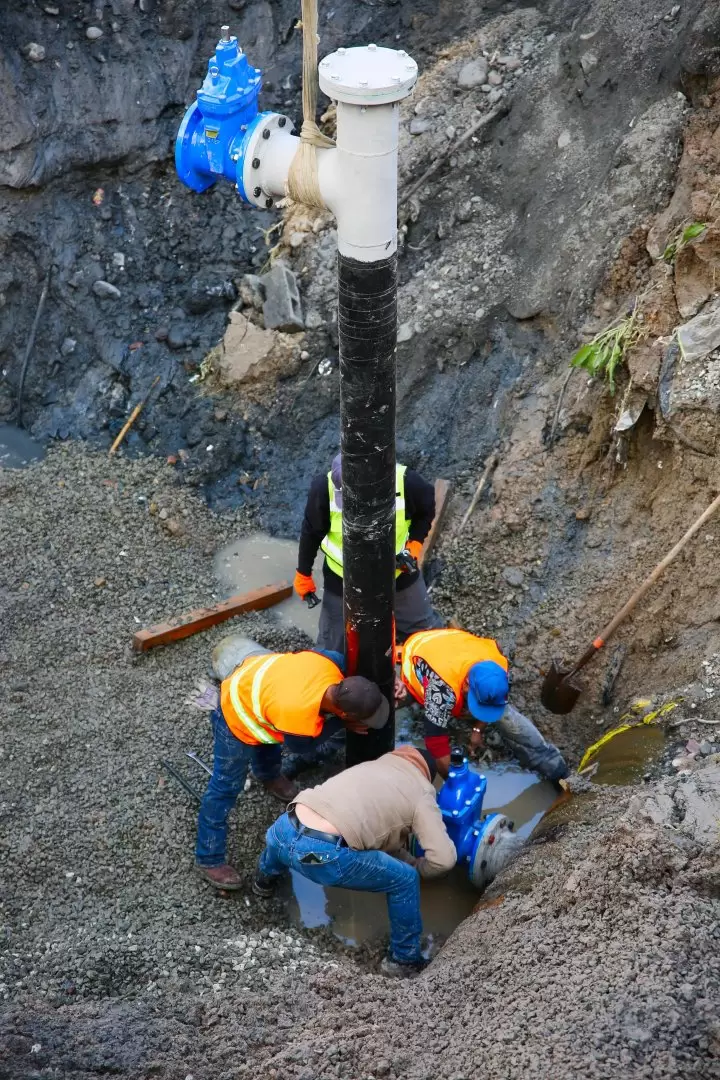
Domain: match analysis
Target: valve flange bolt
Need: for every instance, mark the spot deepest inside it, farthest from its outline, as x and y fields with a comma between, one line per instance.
x=268, y=203
x=266, y=133
x=257, y=192
x=282, y=121
x=256, y=163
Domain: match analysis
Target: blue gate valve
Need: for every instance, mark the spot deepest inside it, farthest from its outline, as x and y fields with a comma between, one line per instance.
x=460, y=800
x=218, y=126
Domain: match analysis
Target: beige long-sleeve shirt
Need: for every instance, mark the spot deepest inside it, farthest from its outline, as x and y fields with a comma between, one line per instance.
x=376, y=805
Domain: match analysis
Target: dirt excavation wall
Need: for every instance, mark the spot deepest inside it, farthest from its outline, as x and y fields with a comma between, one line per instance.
x=596, y=954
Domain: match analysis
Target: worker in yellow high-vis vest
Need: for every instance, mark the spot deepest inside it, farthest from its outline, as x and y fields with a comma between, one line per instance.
x=265, y=696
x=322, y=529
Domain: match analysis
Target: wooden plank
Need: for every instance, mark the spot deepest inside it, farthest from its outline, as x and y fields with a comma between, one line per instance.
x=442, y=497
x=203, y=618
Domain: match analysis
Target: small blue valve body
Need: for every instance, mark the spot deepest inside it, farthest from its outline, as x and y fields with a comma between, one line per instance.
x=460, y=800
x=216, y=127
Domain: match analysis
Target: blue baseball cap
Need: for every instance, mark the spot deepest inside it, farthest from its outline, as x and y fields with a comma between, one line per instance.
x=488, y=688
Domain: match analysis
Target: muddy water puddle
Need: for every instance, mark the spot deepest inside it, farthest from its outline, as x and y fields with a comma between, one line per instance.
x=17, y=449
x=356, y=917
x=626, y=757
x=256, y=560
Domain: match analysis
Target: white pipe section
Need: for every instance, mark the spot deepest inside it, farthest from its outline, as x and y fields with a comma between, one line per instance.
x=358, y=180
x=275, y=156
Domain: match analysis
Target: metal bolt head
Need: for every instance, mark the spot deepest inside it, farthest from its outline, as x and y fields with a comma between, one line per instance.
x=451, y=776
x=476, y=832
x=257, y=192
x=266, y=133
x=372, y=48
x=397, y=78
x=468, y=802
x=401, y=52
x=256, y=163
x=224, y=33
x=455, y=813
x=335, y=77
x=268, y=203
x=363, y=82
x=341, y=52
x=282, y=121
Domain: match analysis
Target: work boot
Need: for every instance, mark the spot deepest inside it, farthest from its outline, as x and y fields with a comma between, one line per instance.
x=221, y=877
x=402, y=969
x=264, y=885
x=281, y=789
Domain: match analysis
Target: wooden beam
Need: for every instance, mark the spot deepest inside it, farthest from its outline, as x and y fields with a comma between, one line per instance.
x=442, y=493
x=203, y=618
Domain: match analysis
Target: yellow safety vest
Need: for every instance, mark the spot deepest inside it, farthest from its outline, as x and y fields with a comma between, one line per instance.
x=332, y=544
x=241, y=692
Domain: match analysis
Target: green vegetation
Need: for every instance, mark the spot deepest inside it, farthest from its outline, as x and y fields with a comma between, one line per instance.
x=682, y=239
x=602, y=356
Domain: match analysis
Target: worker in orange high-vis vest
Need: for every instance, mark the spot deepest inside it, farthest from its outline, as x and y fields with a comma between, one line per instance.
x=452, y=673
x=265, y=697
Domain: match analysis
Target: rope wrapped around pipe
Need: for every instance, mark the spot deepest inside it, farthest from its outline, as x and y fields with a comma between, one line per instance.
x=302, y=183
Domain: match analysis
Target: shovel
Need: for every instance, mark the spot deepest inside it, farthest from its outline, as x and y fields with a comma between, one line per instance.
x=559, y=692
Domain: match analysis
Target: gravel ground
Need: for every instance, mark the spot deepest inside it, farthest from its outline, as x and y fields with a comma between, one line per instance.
x=600, y=960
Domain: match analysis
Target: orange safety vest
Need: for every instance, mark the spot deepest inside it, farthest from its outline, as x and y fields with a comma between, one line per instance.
x=451, y=654
x=277, y=694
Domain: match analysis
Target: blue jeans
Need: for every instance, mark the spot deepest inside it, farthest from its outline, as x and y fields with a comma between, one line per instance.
x=325, y=863
x=231, y=761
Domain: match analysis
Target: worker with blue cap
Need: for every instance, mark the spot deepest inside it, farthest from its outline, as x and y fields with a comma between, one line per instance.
x=451, y=673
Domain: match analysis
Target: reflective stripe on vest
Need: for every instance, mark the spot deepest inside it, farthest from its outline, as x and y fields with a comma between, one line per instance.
x=332, y=544
x=257, y=725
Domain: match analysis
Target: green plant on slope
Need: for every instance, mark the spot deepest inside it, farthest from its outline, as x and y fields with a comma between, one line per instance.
x=690, y=232
x=602, y=356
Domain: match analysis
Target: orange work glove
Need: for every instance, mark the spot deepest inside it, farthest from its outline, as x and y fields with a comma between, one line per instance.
x=303, y=584
x=415, y=549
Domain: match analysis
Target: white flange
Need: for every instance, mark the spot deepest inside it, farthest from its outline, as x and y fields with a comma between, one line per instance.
x=368, y=75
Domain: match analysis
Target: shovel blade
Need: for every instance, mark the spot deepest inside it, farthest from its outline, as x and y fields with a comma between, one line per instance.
x=559, y=694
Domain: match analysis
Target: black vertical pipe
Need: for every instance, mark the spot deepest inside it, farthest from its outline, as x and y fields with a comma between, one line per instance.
x=367, y=330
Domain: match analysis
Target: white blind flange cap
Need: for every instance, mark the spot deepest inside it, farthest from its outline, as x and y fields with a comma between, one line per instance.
x=368, y=75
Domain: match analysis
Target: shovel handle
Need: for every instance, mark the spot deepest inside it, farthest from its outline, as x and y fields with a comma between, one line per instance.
x=607, y=631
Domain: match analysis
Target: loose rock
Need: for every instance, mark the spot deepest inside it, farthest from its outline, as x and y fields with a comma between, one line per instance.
x=93, y=33
x=106, y=291
x=282, y=309
x=34, y=52
x=419, y=125
x=473, y=74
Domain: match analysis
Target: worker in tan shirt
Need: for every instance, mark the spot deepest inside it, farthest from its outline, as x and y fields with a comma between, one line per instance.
x=352, y=832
